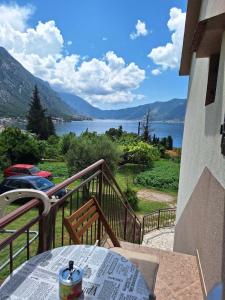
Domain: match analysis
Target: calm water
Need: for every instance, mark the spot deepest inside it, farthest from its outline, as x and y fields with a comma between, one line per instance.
x=100, y=126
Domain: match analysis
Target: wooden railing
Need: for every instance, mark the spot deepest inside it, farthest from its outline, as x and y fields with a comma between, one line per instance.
x=158, y=219
x=19, y=225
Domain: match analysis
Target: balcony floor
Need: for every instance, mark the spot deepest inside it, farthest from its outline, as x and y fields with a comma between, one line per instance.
x=178, y=275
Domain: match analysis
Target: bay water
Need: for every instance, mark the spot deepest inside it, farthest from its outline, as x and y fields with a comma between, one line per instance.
x=160, y=129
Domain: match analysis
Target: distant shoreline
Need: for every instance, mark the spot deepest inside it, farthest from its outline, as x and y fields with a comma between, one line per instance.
x=12, y=121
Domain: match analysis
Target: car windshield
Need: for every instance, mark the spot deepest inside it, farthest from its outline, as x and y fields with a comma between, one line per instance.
x=34, y=170
x=42, y=183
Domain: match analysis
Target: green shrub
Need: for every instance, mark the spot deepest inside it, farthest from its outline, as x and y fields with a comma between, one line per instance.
x=50, y=148
x=89, y=148
x=115, y=133
x=129, y=138
x=19, y=147
x=132, y=198
x=140, y=153
x=163, y=176
x=65, y=142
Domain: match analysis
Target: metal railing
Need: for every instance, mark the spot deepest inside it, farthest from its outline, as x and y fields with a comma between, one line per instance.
x=158, y=219
x=96, y=180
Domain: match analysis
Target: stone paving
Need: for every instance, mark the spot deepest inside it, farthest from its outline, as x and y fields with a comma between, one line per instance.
x=160, y=239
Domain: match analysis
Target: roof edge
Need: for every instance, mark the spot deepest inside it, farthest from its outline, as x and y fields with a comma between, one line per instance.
x=192, y=17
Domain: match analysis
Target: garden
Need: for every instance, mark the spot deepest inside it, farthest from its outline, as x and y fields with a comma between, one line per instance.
x=138, y=165
x=147, y=172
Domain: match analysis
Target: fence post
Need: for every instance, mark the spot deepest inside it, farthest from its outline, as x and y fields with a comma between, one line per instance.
x=125, y=222
x=100, y=189
x=42, y=238
x=158, y=226
x=134, y=222
x=143, y=227
x=47, y=230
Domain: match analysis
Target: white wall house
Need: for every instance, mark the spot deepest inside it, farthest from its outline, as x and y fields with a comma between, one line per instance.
x=200, y=224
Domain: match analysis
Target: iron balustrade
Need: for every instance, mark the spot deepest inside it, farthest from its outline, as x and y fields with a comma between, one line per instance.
x=95, y=180
x=158, y=219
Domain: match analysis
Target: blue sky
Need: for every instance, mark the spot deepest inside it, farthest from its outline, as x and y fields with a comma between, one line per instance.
x=104, y=51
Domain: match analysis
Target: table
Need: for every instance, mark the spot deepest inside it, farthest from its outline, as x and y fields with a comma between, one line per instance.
x=107, y=275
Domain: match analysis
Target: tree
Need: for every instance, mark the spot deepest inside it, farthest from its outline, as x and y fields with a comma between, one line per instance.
x=18, y=147
x=114, y=133
x=51, y=127
x=36, y=120
x=170, y=142
x=88, y=148
x=140, y=153
x=66, y=142
x=147, y=127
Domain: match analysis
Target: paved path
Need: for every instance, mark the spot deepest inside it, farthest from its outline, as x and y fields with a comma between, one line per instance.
x=150, y=195
x=160, y=239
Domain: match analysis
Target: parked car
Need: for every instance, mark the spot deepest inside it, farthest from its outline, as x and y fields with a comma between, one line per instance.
x=25, y=169
x=28, y=182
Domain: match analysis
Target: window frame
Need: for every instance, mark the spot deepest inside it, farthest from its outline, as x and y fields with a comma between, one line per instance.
x=213, y=72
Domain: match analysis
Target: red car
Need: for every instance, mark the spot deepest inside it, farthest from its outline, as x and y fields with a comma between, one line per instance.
x=24, y=169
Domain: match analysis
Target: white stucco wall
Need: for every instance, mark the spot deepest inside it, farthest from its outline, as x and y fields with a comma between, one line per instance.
x=202, y=139
x=211, y=8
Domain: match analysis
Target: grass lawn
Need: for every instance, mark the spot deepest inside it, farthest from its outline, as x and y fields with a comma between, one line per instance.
x=126, y=175
x=145, y=207
x=58, y=169
x=163, y=176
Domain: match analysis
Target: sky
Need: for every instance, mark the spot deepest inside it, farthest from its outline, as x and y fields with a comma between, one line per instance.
x=112, y=53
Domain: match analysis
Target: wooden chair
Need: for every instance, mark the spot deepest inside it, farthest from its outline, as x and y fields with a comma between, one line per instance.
x=82, y=219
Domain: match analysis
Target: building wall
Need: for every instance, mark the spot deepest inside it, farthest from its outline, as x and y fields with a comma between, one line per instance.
x=200, y=211
x=201, y=228
x=202, y=139
x=211, y=8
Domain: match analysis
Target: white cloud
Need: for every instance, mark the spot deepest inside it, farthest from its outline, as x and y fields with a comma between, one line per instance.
x=168, y=56
x=104, y=38
x=156, y=72
x=141, y=30
x=40, y=50
x=69, y=43
x=16, y=17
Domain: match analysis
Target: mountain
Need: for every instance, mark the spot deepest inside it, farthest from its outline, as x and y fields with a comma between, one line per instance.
x=16, y=85
x=81, y=105
x=172, y=110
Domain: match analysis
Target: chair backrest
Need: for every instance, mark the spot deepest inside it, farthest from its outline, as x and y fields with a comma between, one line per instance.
x=82, y=219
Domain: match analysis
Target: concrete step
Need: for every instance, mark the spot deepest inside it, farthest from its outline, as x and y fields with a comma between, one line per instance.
x=178, y=276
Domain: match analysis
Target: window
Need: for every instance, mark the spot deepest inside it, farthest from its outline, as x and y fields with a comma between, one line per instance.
x=24, y=171
x=212, y=79
x=15, y=170
x=42, y=183
x=14, y=184
x=25, y=185
x=34, y=170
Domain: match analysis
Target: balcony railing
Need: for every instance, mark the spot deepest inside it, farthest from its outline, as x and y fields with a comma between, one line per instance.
x=158, y=219
x=17, y=242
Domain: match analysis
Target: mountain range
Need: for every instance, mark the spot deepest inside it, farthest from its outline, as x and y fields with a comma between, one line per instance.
x=172, y=110
x=16, y=85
